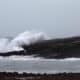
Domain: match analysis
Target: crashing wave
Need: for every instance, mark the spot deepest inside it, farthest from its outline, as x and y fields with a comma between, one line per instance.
x=26, y=38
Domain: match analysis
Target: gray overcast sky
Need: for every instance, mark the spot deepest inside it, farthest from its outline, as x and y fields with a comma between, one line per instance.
x=58, y=18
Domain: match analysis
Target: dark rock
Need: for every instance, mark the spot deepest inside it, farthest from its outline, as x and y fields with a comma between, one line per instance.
x=54, y=48
x=58, y=48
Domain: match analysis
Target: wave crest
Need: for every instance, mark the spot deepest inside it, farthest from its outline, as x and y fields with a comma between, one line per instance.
x=26, y=38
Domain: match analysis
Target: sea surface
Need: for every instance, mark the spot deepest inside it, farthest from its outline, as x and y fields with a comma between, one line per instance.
x=29, y=63
x=38, y=65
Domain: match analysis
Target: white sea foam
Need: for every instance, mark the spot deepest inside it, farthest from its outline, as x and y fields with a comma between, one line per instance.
x=20, y=58
x=26, y=38
x=32, y=58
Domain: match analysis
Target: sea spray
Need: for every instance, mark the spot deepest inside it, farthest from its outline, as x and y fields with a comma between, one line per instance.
x=25, y=38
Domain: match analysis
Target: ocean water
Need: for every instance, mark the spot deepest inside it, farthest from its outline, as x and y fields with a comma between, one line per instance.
x=29, y=63
x=39, y=65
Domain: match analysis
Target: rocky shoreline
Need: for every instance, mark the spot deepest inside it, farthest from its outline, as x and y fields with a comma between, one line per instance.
x=54, y=48
x=37, y=76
